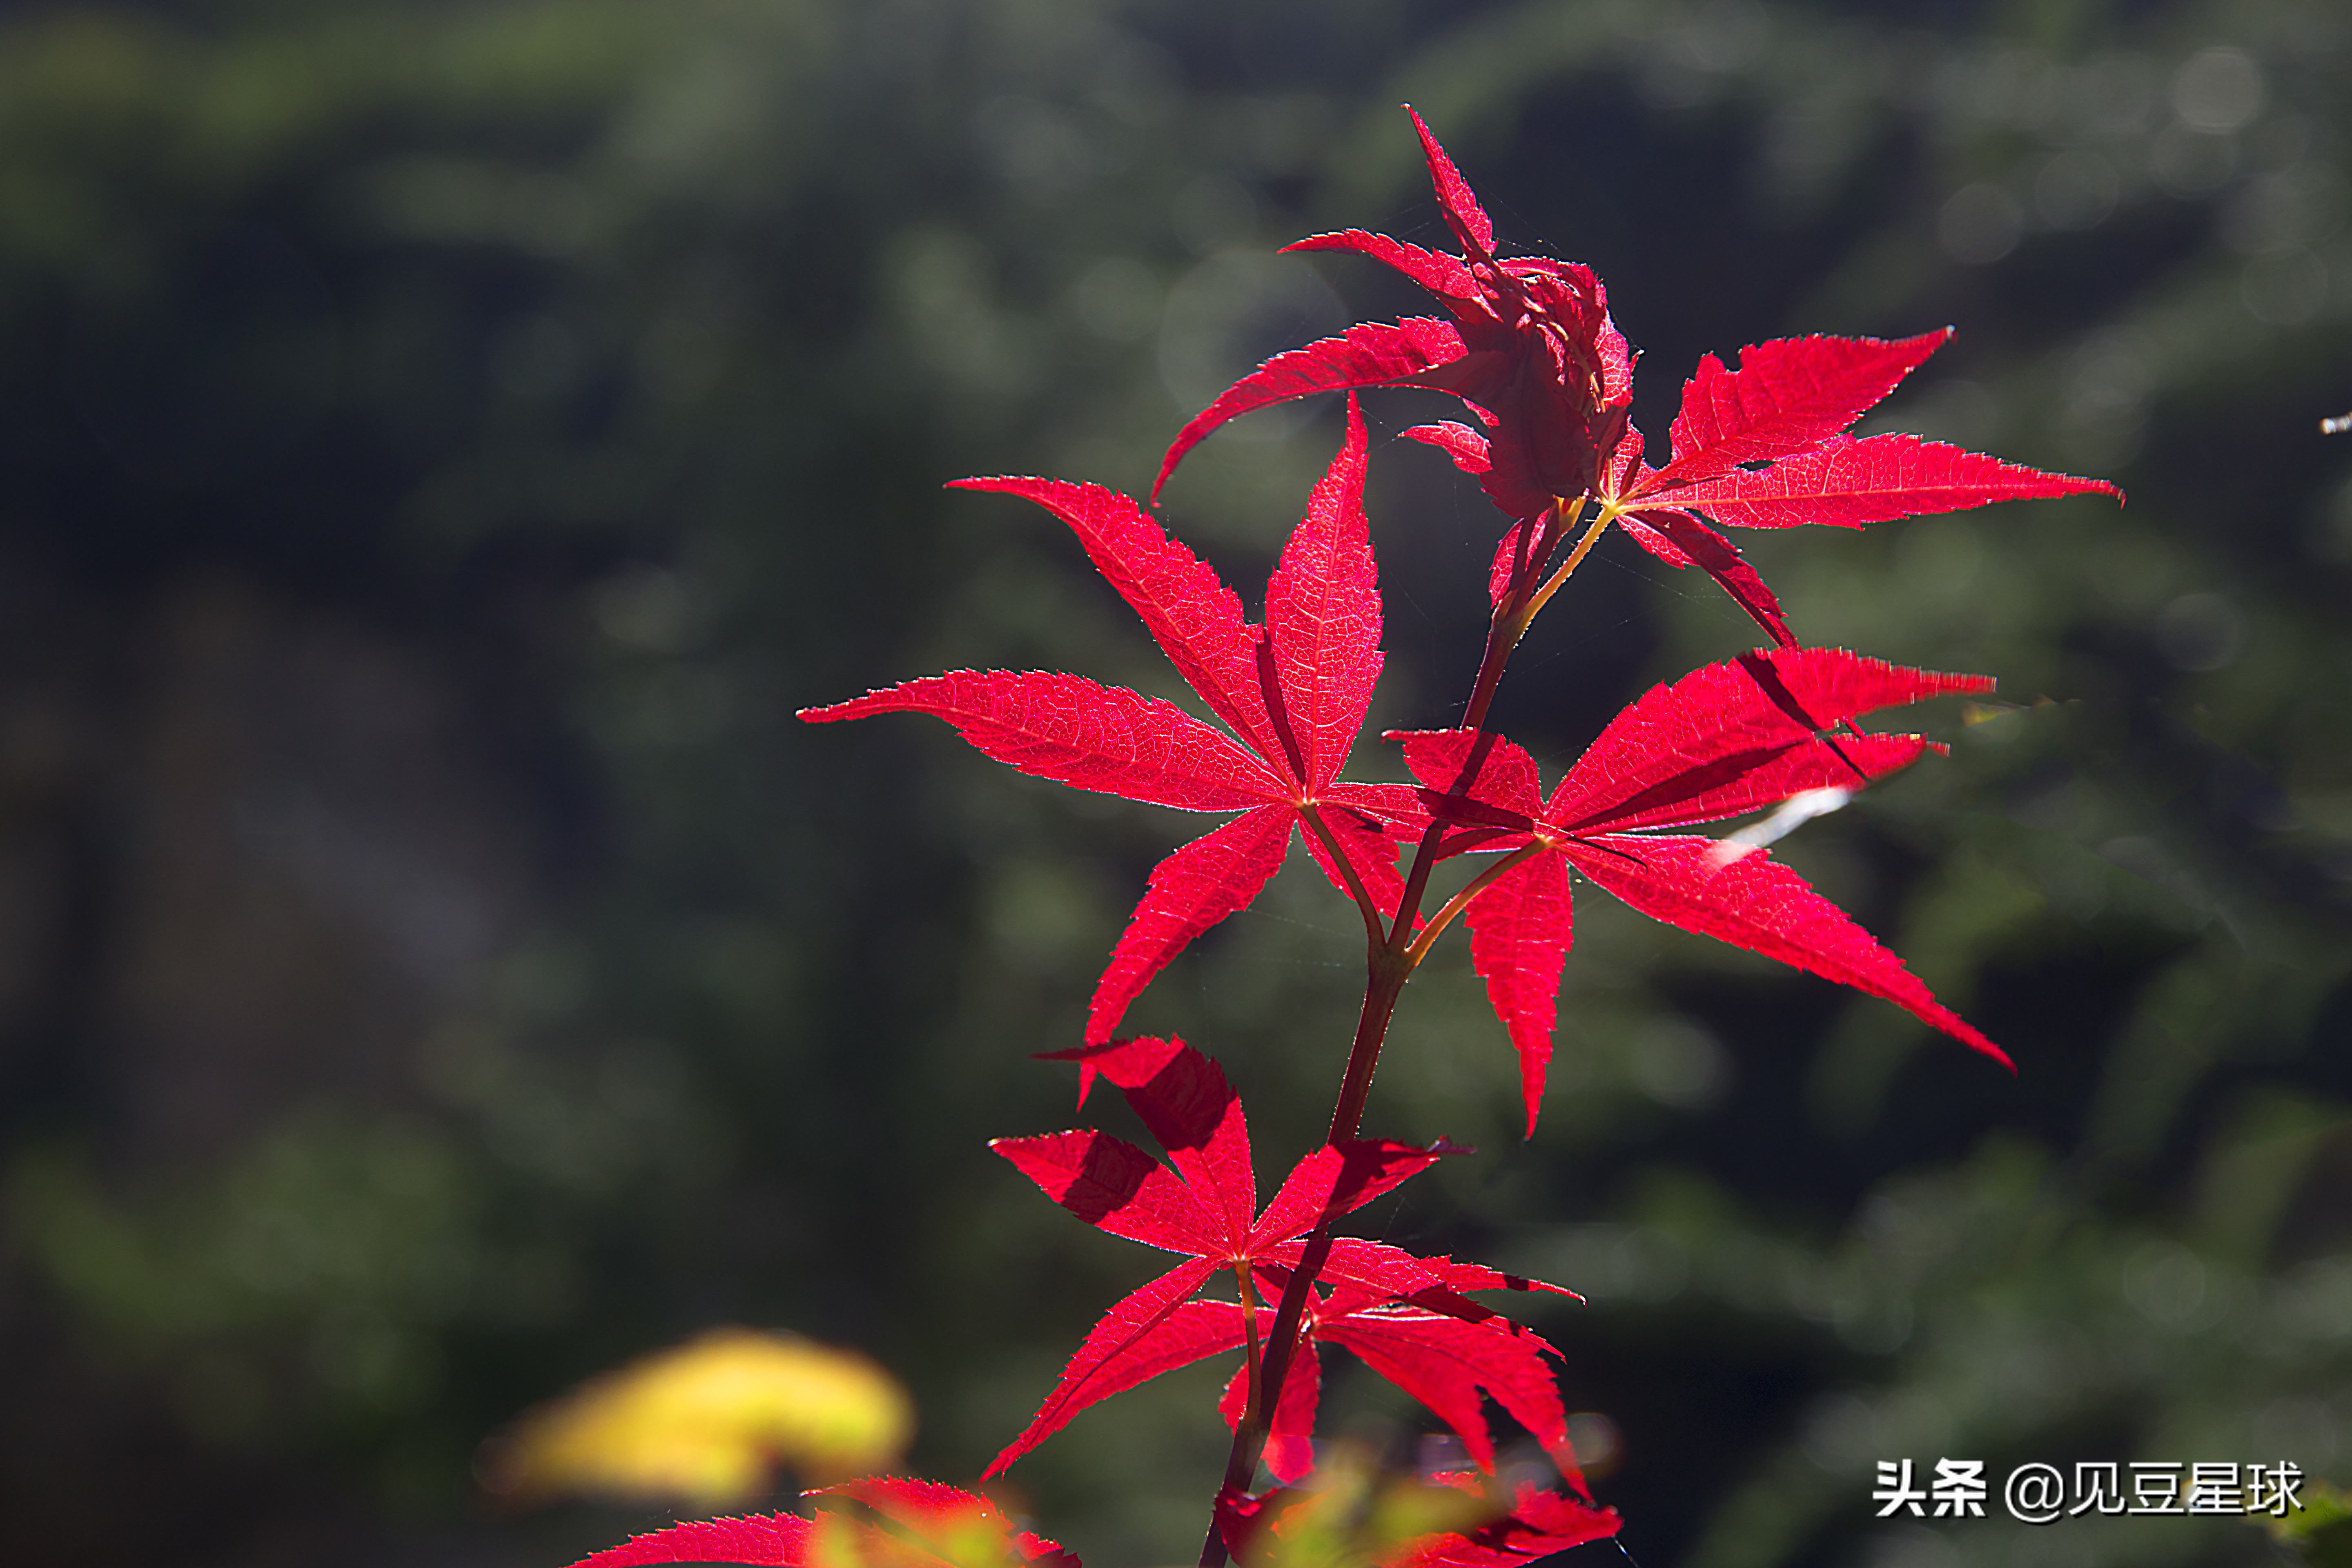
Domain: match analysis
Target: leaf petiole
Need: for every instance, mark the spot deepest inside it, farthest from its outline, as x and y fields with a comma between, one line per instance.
x=1419, y=948
x=1375, y=923
x=1256, y=1364
x=1600, y=524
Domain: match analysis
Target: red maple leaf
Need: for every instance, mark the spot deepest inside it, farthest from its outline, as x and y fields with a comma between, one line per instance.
x=1765, y=446
x=1292, y=692
x=1436, y=1344
x=883, y=1522
x=1533, y=354
x=1535, y=1524
x=1531, y=350
x=1540, y=1522
x=1725, y=740
x=1404, y=1316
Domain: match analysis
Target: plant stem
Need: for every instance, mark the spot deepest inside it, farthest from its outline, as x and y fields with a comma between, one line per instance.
x=1461, y=901
x=1373, y=919
x=1575, y=558
x=1390, y=959
x=1249, y=1322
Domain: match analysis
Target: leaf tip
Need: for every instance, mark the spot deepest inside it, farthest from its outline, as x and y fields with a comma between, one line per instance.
x=1086, y=1057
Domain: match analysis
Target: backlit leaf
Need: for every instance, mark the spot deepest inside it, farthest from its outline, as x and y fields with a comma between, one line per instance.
x=706, y=1423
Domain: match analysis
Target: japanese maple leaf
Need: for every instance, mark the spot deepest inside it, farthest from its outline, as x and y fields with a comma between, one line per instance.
x=1725, y=740
x=1535, y=1524
x=1530, y=350
x=1436, y=1344
x=1540, y=1522
x=1533, y=356
x=883, y=1522
x=1765, y=446
x=1205, y=1208
x=1292, y=692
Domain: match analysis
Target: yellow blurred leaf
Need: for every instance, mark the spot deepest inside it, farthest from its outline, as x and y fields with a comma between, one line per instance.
x=706, y=1423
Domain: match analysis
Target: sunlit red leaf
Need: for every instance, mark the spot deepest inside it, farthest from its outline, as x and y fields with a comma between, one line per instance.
x=1139, y=1339
x=774, y=1541
x=1194, y=617
x=1405, y=1318
x=1510, y=562
x=1183, y=1099
x=1370, y=353
x=1505, y=780
x=1786, y=395
x=1294, y=691
x=1441, y=274
x=1520, y=929
x=1681, y=540
x=1751, y=900
x=1464, y=215
x=1764, y=446
x=1347, y=1514
x=941, y=1523
x=1195, y=886
x=1478, y=1277
x=1368, y=1270
x=1531, y=352
x=1369, y=842
x=1334, y=1180
x=1725, y=740
x=1451, y=1360
x=1203, y=1205
x=1539, y=1524
x=1117, y=1187
x=882, y=1522
x=1547, y=378
x=1323, y=621
x=1741, y=735
x=1849, y=483
x=1290, y=1440
x=1072, y=731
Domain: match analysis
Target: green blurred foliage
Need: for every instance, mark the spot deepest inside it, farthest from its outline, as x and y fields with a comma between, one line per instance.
x=2323, y=1531
x=444, y=443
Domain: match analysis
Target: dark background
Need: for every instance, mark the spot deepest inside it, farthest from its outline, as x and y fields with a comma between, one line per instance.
x=441, y=445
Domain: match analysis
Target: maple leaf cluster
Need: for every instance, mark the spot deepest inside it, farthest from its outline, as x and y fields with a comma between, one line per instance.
x=1293, y=692
x=893, y=1522
x=1528, y=347
x=1403, y=1315
x=1533, y=356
